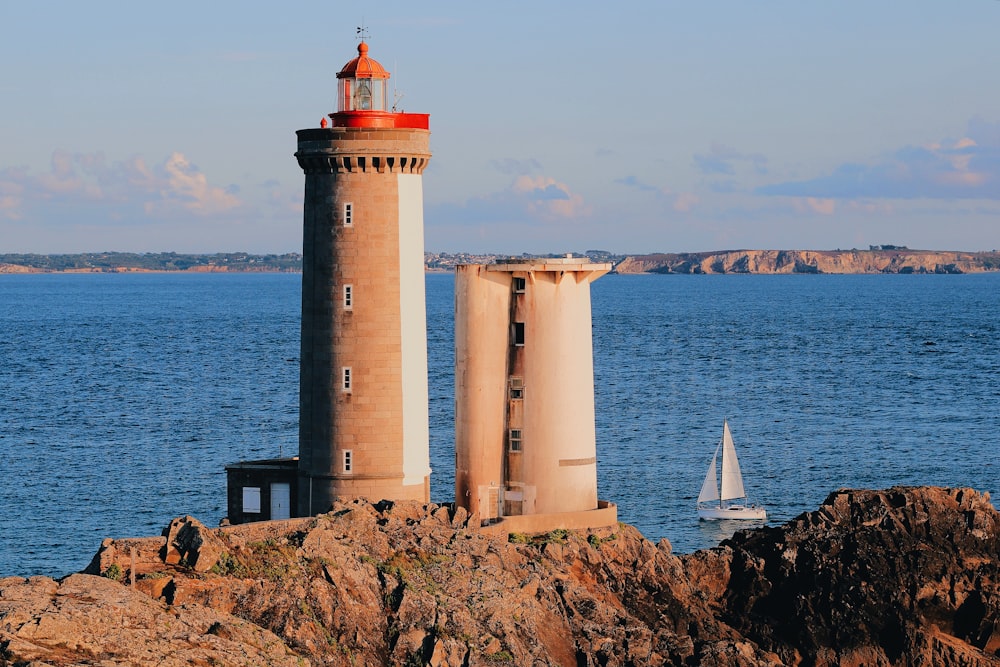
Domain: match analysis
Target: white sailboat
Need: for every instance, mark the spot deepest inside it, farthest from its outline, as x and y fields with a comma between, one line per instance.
x=715, y=502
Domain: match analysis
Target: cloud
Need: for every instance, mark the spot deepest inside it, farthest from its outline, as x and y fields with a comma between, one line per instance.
x=710, y=164
x=9, y=205
x=968, y=168
x=721, y=164
x=79, y=186
x=723, y=160
x=685, y=201
x=983, y=132
x=63, y=179
x=880, y=208
x=11, y=192
x=815, y=205
x=548, y=199
x=633, y=182
x=542, y=190
x=725, y=187
x=512, y=167
x=188, y=186
x=681, y=201
x=527, y=199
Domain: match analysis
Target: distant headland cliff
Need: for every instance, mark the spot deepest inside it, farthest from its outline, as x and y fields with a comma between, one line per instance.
x=877, y=259
x=903, y=576
x=883, y=259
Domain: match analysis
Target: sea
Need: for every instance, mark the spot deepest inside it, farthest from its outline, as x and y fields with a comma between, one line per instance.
x=123, y=396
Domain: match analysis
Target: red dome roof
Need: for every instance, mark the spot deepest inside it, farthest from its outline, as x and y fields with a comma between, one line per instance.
x=363, y=67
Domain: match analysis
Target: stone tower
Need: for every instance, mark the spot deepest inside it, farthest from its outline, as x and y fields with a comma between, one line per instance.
x=526, y=458
x=363, y=410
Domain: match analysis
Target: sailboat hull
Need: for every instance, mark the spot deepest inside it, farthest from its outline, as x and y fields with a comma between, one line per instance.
x=732, y=512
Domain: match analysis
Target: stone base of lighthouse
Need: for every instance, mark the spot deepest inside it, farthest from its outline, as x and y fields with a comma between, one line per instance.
x=323, y=491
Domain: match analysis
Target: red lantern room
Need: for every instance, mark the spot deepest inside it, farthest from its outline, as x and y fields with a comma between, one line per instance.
x=363, y=97
x=363, y=83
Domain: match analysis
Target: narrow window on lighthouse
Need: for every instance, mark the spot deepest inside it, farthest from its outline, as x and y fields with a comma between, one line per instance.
x=348, y=460
x=345, y=385
x=516, y=388
x=519, y=284
x=348, y=297
x=348, y=214
x=515, y=440
x=519, y=333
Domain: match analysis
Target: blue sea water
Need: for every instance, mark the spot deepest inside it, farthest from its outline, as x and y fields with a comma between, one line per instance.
x=122, y=396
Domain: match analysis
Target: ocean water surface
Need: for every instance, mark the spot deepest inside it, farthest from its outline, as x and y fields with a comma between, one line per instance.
x=123, y=396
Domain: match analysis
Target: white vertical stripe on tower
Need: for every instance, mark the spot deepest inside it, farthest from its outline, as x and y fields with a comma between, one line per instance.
x=413, y=318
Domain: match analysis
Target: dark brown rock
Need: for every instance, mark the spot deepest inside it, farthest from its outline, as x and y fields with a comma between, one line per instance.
x=902, y=576
x=191, y=543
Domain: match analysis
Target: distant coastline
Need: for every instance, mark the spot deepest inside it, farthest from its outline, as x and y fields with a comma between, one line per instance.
x=881, y=259
x=126, y=262
x=876, y=259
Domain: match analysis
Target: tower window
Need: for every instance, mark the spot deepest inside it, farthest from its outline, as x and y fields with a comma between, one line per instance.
x=345, y=385
x=348, y=460
x=519, y=284
x=518, y=333
x=348, y=297
x=348, y=214
x=516, y=388
x=515, y=439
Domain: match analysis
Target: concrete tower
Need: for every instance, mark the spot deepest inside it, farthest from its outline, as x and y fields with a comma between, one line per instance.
x=526, y=458
x=363, y=415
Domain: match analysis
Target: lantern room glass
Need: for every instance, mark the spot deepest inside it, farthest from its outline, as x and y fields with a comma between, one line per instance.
x=362, y=95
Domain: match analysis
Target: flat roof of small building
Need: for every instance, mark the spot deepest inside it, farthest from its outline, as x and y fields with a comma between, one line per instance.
x=264, y=464
x=567, y=263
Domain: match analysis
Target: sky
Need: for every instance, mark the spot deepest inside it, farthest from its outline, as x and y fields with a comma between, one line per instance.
x=631, y=127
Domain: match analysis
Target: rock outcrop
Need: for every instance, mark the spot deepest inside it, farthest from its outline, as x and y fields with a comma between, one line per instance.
x=905, y=576
x=898, y=577
x=86, y=620
x=813, y=261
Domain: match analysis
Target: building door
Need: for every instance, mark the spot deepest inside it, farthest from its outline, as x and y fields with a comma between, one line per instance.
x=280, y=500
x=490, y=500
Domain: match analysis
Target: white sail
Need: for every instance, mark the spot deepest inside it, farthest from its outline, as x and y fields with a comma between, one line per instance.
x=732, y=480
x=710, y=489
x=711, y=503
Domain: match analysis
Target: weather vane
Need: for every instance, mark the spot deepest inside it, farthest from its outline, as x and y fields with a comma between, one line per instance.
x=362, y=32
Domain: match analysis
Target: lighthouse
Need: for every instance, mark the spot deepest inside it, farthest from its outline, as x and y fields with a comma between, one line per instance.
x=363, y=408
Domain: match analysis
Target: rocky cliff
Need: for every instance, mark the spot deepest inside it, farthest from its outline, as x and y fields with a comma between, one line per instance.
x=905, y=576
x=814, y=261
